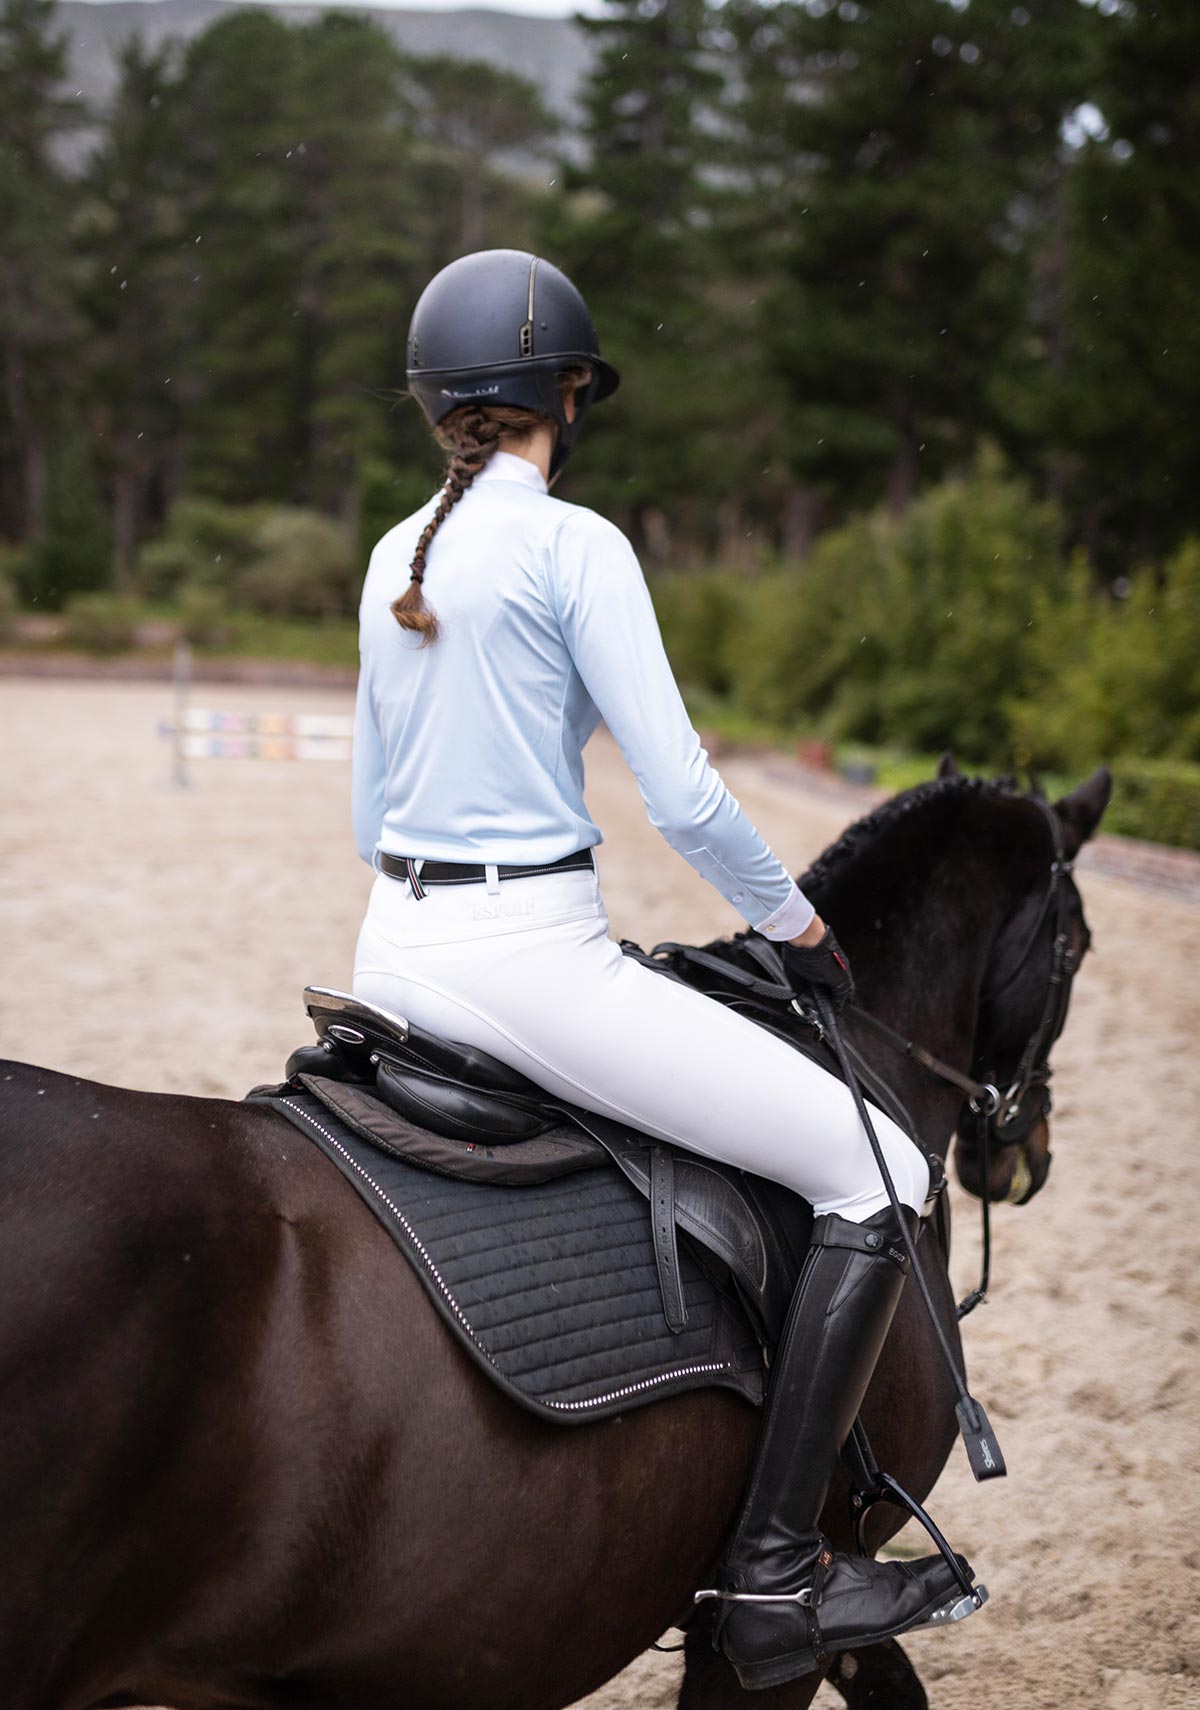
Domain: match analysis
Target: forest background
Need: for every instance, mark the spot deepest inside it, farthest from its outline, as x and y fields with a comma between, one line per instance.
x=906, y=297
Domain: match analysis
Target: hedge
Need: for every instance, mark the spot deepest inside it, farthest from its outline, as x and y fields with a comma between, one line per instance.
x=1156, y=799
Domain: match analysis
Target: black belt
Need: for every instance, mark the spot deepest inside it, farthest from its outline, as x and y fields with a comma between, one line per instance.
x=473, y=873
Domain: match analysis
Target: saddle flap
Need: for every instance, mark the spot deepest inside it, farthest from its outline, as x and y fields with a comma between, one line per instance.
x=709, y=1203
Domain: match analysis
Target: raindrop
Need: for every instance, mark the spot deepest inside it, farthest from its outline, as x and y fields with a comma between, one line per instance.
x=1122, y=150
x=942, y=45
x=969, y=53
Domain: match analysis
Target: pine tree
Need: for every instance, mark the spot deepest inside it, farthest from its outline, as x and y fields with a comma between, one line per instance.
x=36, y=199
x=635, y=237
x=907, y=147
x=473, y=115
x=243, y=237
x=1127, y=406
x=362, y=248
x=135, y=294
x=72, y=552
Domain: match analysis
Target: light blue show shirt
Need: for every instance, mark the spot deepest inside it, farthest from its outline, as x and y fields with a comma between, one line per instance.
x=471, y=749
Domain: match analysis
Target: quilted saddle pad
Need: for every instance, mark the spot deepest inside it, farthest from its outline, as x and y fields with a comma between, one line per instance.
x=551, y=1288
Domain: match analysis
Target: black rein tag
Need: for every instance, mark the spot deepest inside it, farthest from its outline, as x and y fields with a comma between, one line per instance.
x=983, y=1448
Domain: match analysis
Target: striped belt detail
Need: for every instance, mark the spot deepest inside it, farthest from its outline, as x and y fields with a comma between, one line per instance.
x=473, y=873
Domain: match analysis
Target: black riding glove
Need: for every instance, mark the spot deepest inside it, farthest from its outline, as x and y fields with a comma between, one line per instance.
x=822, y=964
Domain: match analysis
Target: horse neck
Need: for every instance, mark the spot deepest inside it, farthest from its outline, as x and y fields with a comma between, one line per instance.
x=919, y=957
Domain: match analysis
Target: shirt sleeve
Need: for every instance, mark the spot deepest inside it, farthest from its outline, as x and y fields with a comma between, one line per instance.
x=368, y=772
x=599, y=595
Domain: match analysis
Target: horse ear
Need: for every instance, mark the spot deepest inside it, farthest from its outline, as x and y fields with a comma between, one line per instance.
x=1082, y=811
x=947, y=767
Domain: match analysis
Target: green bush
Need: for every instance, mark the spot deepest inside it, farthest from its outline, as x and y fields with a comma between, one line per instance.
x=963, y=624
x=303, y=566
x=1158, y=800
x=205, y=544
x=700, y=616
x=164, y=566
x=204, y=617
x=1116, y=676
x=101, y=623
x=913, y=631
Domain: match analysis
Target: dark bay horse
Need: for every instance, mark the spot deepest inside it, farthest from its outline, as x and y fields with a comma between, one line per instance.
x=242, y=1464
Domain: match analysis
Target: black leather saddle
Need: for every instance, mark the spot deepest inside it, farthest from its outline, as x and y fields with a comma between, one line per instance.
x=749, y=1233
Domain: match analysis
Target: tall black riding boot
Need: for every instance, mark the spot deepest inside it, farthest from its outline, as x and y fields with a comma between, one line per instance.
x=787, y=1598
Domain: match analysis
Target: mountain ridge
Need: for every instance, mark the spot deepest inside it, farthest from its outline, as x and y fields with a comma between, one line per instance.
x=553, y=53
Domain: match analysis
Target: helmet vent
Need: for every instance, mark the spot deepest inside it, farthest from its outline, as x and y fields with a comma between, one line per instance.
x=526, y=339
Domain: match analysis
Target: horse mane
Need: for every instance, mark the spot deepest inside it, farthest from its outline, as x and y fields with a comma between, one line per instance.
x=866, y=833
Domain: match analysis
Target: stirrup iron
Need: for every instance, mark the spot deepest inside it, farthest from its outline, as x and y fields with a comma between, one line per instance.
x=872, y=1486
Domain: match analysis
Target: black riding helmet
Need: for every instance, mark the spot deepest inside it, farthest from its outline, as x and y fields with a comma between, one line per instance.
x=499, y=327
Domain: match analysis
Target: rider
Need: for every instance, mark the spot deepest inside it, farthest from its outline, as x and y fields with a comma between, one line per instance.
x=498, y=626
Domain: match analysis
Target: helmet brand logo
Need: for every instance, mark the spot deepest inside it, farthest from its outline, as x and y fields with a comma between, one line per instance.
x=475, y=392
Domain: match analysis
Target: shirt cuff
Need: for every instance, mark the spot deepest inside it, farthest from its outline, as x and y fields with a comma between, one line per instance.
x=790, y=919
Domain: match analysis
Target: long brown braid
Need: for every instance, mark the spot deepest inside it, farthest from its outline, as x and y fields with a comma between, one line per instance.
x=472, y=436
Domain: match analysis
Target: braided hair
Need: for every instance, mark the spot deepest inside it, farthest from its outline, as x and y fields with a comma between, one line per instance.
x=472, y=435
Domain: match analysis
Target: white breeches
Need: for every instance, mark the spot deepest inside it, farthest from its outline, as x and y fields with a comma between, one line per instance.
x=530, y=975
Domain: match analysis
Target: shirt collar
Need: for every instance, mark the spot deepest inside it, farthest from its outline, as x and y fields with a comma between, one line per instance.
x=504, y=466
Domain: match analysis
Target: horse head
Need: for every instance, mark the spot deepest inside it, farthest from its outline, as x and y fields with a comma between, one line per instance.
x=1003, y=1138
x=957, y=903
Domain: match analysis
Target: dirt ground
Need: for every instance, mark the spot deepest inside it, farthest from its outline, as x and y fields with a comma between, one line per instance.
x=160, y=937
